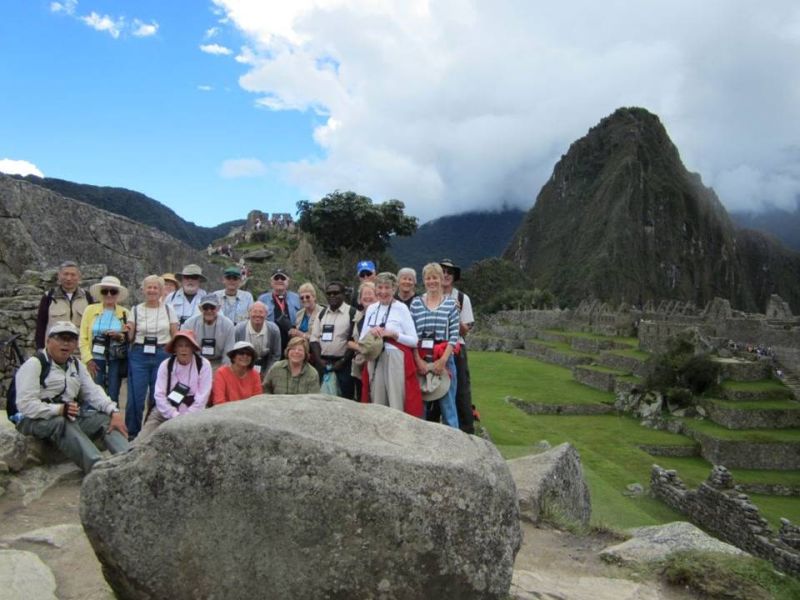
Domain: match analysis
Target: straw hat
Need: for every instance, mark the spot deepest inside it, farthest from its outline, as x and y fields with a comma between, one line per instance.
x=109, y=282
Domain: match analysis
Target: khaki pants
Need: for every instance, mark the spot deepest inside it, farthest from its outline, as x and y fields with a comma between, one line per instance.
x=387, y=383
x=74, y=438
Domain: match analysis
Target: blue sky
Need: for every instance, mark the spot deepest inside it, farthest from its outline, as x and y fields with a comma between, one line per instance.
x=215, y=107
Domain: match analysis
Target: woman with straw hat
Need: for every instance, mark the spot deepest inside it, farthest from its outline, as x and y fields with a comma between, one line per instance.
x=103, y=342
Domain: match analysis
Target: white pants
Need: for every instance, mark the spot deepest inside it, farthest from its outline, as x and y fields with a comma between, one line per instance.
x=387, y=384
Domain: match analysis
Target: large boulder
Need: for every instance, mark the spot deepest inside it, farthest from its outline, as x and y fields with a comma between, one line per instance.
x=304, y=497
x=551, y=485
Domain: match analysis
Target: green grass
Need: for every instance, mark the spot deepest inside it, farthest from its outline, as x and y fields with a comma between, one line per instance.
x=758, y=404
x=608, y=444
x=564, y=348
x=715, y=575
x=531, y=380
x=762, y=385
x=639, y=355
x=765, y=436
x=601, y=369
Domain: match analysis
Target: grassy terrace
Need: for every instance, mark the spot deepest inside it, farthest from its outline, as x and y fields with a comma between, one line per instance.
x=766, y=436
x=630, y=341
x=563, y=348
x=608, y=444
x=758, y=404
x=640, y=355
x=764, y=385
x=601, y=369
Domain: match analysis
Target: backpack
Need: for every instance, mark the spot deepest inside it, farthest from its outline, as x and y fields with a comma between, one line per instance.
x=11, y=395
x=353, y=311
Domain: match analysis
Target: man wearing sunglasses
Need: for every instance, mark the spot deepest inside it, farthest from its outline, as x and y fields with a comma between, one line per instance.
x=235, y=303
x=282, y=304
x=365, y=271
x=329, y=338
x=65, y=302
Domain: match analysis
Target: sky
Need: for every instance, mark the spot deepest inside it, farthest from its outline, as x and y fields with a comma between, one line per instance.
x=217, y=107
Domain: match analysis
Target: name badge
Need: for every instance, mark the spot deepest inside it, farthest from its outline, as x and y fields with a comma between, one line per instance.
x=178, y=394
x=150, y=344
x=99, y=344
x=327, y=333
x=257, y=368
x=426, y=344
x=207, y=347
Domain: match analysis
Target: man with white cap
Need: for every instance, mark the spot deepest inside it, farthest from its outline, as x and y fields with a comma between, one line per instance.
x=213, y=330
x=186, y=301
x=50, y=389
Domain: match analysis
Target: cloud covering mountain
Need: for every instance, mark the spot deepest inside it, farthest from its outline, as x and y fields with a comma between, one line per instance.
x=457, y=105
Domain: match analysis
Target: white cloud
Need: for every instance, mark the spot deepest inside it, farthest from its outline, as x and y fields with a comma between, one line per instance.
x=104, y=23
x=242, y=167
x=142, y=29
x=67, y=7
x=458, y=104
x=212, y=32
x=205, y=88
x=216, y=49
x=19, y=167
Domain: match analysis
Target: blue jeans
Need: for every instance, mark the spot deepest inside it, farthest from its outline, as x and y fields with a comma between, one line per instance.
x=447, y=404
x=142, y=372
x=114, y=380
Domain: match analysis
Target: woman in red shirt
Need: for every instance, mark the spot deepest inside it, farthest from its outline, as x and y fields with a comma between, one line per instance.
x=237, y=380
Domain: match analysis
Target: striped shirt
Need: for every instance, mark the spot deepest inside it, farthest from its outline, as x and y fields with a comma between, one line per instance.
x=441, y=321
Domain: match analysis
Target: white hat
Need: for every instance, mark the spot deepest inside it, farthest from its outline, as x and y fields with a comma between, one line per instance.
x=109, y=282
x=63, y=327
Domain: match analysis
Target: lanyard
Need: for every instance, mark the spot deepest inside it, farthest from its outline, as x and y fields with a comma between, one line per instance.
x=281, y=303
x=385, y=316
x=147, y=331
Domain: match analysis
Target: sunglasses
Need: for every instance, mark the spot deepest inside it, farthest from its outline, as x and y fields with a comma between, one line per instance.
x=108, y=291
x=208, y=307
x=363, y=274
x=333, y=292
x=66, y=337
x=448, y=271
x=306, y=297
x=232, y=277
x=192, y=277
x=279, y=277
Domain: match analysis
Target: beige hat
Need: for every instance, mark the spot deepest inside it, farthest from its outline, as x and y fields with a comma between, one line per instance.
x=170, y=277
x=106, y=283
x=433, y=386
x=370, y=346
x=63, y=327
x=192, y=270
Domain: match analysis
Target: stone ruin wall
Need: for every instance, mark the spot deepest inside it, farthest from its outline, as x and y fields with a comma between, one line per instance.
x=718, y=506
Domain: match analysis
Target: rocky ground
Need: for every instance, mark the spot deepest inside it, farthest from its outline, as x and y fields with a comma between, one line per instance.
x=551, y=564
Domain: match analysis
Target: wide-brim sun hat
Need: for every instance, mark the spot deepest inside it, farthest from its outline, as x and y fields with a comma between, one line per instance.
x=433, y=386
x=243, y=347
x=191, y=270
x=370, y=346
x=171, y=277
x=187, y=334
x=109, y=282
x=446, y=263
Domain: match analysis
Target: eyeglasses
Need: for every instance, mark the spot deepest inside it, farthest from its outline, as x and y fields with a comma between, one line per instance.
x=192, y=277
x=306, y=297
x=208, y=307
x=362, y=274
x=333, y=292
x=108, y=291
x=279, y=277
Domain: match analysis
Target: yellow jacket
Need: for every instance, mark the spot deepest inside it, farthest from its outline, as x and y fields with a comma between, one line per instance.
x=87, y=322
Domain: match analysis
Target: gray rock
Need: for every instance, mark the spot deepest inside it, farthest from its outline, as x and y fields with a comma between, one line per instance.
x=304, y=497
x=56, y=536
x=543, y=445
x=634, y=489
x=659, y=541
x=259, y=255
x=25, y=577
x=13, y=446
x=32, y=483
x=552, y=481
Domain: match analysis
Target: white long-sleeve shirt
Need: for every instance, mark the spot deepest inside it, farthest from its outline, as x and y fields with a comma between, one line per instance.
x=398, y=321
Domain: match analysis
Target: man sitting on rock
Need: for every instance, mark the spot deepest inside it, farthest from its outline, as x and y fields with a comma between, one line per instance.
x=183, y=383
x=49, y=407
x=66, y=302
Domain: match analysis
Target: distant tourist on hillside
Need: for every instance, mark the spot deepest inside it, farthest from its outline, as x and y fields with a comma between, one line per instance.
x=65, y=302
x=214, y=330
x=154, y=324
x=265, y=337
x=235, y=302
x=282, y=304
x=183, y=385
x=186, y=301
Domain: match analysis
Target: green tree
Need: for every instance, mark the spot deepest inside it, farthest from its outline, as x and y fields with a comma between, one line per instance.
x=347, y=222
